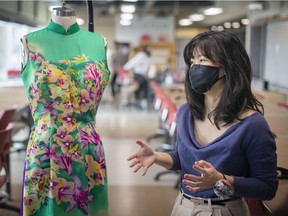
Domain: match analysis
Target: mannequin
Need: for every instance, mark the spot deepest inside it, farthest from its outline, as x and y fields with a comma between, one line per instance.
x=64, y=74
x=61, y=15
x=64, y=16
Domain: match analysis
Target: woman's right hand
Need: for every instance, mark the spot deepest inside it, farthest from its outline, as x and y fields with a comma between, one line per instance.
x=145, y=158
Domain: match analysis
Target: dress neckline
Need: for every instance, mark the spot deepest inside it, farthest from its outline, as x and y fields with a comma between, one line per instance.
x=55, y=27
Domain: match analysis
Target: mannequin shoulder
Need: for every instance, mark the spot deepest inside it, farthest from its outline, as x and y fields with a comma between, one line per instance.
x=96, y=36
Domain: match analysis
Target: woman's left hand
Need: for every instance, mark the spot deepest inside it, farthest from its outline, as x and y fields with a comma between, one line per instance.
x=209, y=177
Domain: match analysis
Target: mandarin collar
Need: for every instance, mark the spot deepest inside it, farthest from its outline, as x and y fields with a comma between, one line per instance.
x=55, y=27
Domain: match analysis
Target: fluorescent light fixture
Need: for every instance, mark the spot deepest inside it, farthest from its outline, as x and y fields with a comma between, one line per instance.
x=213, y=11
x=227, y=25
x=130, y=0
x=125, y=22
x=245, y=21
x=128, y=8
x=80, y=21
x=197, y=17
x=185, y=22
x=236, y=25
x=126, y=16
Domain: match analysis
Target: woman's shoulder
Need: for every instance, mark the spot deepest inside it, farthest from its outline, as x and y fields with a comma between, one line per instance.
x=252, y=115
x=183, y=112
x=255, y=121
x=183, y=108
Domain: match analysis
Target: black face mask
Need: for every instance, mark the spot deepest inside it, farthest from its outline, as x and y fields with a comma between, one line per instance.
x=203, y=77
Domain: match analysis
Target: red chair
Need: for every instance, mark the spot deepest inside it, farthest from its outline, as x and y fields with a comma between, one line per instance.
x=257, y=208
x=170, y=128
x=5, y=145
x=123, y=76
x=161, y=109
x=283, y=105
x=259, y=96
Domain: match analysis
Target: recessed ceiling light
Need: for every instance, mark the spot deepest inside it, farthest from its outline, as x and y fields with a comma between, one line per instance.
x=185, y=22
x=126, y=16
x=227, y=24
x=245, y=21
x=255, y=6
x=197, y=17
x=213, y=11
x=128, y=8
x=236, y=25
x=220, y=28
x=214, y=28
x=125, y=22
x=130, y=0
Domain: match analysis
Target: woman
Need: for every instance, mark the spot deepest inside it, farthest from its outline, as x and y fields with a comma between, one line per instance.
x=225, y=149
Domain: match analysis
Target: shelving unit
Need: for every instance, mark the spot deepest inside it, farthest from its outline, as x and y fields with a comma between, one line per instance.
x=163, y=55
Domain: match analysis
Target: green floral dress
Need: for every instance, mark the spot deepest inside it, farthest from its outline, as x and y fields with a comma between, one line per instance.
x=64, y=77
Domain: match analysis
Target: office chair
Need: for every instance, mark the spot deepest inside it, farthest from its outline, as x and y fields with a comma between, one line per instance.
x=5, y=145
x=6, y=118
x=257, y=208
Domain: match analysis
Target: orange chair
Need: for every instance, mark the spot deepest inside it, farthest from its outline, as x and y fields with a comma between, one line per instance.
x=5, y=145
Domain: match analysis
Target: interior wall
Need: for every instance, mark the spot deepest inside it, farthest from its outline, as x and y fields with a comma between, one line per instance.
x=276, y=70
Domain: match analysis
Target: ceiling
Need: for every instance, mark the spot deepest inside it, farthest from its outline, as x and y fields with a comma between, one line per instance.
x=233, y=10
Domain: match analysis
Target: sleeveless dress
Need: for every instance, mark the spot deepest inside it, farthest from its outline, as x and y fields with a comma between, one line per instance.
x=64, y=77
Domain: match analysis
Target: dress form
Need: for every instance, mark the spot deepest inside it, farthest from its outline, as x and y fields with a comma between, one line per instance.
x=60, y=15
x=64, y=16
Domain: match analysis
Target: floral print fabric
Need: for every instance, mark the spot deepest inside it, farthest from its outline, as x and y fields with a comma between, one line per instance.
x=65, y=171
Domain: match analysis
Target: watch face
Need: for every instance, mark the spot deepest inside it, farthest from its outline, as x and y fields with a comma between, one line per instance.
x=223, y=189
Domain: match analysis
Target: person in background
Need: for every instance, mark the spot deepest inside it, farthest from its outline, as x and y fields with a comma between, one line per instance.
x=118, y=59
x=140, y=64
x=225, y=149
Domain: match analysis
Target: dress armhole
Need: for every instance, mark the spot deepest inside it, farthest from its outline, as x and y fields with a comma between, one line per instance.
x=105, y=44
x=105, y=41
x=24, y=52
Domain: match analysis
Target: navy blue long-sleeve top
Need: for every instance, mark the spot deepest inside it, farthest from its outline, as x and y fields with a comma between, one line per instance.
x=246, y=151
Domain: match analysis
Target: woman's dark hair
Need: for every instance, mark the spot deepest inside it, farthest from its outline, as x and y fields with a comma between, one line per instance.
x=225, y=49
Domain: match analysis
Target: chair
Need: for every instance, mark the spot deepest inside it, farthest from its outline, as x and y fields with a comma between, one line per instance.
x=7, y=118
x=5, y=145
x=257, y=208
x=161, y=108
x=22, y=120
x=283, y=105
x=170, y=127
x=124, y=78
x=170, y=113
